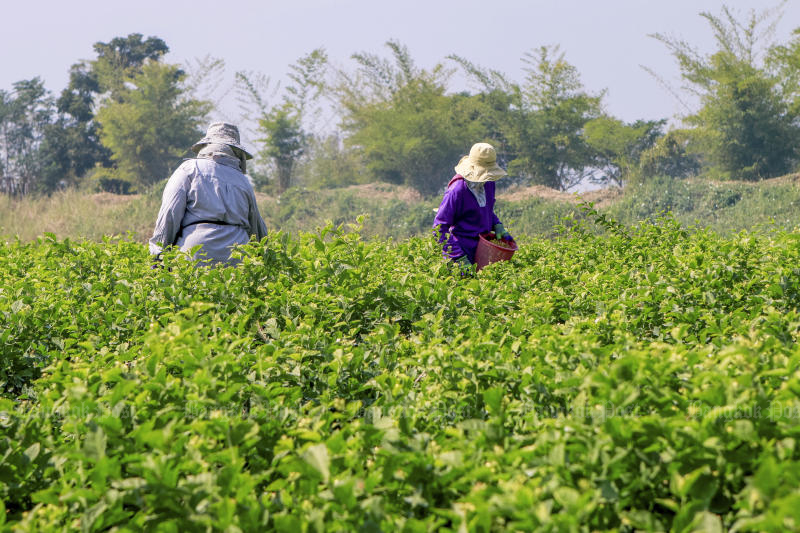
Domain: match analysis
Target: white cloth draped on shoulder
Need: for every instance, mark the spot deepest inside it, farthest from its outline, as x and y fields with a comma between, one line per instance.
x=477, y=190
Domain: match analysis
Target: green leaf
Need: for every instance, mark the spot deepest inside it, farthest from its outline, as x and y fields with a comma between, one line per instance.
x=317, y=457
x=494, y=399
x=566, y=496
x=744, y=430
x=608, y=491
x=94, y=446
x=16, y=306
x=32, y=452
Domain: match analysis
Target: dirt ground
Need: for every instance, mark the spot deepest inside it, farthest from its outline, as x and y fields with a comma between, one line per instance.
x=385, y=191
x=599, y=197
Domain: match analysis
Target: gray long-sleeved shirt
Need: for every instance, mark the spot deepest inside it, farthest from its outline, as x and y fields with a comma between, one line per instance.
x=203, y=189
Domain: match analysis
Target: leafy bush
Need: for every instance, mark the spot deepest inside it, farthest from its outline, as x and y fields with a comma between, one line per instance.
x=645, y=378
x=111, y=180
x=675, y=155
x=726, y=207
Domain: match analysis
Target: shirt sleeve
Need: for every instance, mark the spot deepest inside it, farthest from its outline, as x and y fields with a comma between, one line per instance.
x=444, y=220
x=495, y=220
x=173, y=207
x=257, y=225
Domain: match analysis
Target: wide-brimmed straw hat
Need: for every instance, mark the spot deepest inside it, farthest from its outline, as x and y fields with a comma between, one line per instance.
x=480, y=164
x=222, y=133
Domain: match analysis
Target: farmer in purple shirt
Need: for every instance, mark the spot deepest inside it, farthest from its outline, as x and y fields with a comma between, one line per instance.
x=467, y=209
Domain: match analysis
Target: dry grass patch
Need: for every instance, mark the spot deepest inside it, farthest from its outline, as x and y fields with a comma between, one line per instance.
x=599, y=197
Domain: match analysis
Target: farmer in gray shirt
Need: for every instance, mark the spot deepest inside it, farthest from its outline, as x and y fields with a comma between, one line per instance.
x=209, y=201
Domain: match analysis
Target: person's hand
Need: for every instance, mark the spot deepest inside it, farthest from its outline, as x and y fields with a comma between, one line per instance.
x=501, y=233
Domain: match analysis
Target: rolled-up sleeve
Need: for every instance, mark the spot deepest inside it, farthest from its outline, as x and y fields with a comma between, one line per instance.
x=173, y=207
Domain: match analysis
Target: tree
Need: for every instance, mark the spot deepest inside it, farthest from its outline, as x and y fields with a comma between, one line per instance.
x=285, y=139
x=494, y=110
x=71, y=146
x=401, y=120
x=24, y=115
x=672, y=155
x=329, y=163
x=285, y=142
x=747, y=119
x=618, y=146
x=553, y=112
x=122, y=59
x=785, y=60
x=150, y=124
x=539, y=123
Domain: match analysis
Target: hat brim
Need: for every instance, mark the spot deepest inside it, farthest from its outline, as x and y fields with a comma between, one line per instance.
x=196, y=147
x=474, y=172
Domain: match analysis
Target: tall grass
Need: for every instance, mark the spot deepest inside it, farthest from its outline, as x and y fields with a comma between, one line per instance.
x=726, y=207
x=388, y=212
x=78, y=215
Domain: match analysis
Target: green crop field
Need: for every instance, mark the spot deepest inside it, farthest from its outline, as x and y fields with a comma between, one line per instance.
x=608, y=379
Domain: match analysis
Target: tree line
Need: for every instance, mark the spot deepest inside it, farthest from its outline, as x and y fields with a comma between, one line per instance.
x=126, y=118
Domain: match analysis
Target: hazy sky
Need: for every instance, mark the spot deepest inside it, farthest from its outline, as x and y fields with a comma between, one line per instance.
x=606, y=40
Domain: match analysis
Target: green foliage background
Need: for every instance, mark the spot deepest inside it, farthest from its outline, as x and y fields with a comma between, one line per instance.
x=127, y=117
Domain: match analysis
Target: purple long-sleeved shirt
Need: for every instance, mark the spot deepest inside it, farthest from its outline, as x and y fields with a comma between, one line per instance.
x=460, y=219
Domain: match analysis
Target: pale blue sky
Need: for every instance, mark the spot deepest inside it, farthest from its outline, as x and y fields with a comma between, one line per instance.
x=606, y=40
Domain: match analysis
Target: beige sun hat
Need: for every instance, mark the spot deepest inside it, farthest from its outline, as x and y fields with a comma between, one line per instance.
x=480, y=164
x=222, y=133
